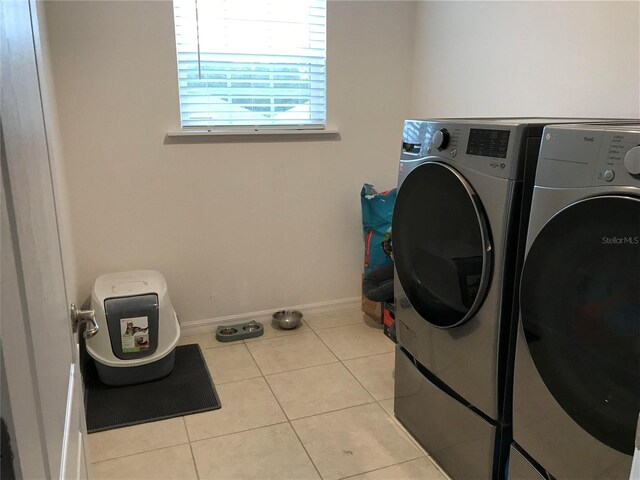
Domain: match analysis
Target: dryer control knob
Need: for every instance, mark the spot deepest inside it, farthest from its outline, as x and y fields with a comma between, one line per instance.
x=632, y=161
x=440, y=139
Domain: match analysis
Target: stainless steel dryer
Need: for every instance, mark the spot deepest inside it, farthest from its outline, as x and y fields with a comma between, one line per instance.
x=577, y=370
x=458, y=229
x=455, y=229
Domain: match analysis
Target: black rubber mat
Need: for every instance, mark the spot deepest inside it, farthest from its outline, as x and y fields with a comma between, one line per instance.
x=187, y=389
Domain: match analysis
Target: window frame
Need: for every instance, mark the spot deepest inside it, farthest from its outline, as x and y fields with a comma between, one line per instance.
x=238, y=128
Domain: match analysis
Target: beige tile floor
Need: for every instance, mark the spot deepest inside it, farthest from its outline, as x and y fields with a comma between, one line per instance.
x=312, y=403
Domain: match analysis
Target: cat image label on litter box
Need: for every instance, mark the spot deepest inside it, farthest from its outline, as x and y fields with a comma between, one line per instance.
x=135, y=334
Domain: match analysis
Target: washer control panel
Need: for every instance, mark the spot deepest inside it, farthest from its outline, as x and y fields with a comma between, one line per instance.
x=589, y=155
x=615, y=164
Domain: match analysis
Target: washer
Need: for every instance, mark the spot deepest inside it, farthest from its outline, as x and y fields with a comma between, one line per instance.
x=458, y=222
x=577, y=369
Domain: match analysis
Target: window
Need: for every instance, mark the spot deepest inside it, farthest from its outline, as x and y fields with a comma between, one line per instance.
x=251, y=63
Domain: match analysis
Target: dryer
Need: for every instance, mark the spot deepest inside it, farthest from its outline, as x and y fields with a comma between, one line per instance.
x=577, y=368
x=458, y=228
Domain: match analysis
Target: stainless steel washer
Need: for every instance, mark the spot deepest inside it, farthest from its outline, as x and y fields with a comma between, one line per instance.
x=577, y=370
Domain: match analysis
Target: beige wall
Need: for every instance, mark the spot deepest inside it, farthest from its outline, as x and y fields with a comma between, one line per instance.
x=243, y=227
x=527, y=58
x=234, y=227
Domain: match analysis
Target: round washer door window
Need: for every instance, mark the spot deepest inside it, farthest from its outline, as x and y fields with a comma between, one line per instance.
x=441, y=244
x=580, y=309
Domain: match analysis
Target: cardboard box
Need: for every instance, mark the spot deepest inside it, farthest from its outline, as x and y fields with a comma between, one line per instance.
x=372, y=309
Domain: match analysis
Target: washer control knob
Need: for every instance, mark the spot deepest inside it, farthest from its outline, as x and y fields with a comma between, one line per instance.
x=609, y=175
x=632, y=161
x=440, y=139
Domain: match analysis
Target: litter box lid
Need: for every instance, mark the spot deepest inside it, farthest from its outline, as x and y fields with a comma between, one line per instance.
x=127, y=284
x=132, y=287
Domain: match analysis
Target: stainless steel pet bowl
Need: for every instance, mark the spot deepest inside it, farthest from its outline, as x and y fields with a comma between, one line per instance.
x=251, y=327
x=228, y=331
x=287, y=319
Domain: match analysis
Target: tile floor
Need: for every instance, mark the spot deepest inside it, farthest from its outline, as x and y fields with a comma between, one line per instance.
x=310, y=403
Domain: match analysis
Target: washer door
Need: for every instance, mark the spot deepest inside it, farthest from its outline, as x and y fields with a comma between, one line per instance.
x=441, y=245
x=580, y=309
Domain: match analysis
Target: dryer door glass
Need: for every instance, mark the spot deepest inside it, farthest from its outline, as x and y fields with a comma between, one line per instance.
x=580, y=309
x=441, y=244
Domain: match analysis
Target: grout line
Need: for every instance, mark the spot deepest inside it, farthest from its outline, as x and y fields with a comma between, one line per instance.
x=380, y=468
x=373, y=400
x=193, y=457
x=255, y=362
x=305, y=450
x=384, y=400
x=358, y=380
x=238, y=380
x=351, y=358
x=240, y=431
x=184, y=421
x=139, y=453
x=142, y=451
x=406, y=433
x=327, y=346
x=301, y=368
x=423, y=452
x=311, y=332
x=218, y=382
x=367, y=355
x=229, y=383
x=332, y=411
x=289, y=422
x=330, y=363
x=350, y=372
x=358, y=322
x=269, y=387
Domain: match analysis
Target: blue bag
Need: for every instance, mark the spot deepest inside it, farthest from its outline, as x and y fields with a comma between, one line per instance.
x=377, y=213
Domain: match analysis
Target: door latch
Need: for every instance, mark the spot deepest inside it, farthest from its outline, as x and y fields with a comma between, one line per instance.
x=83, y=316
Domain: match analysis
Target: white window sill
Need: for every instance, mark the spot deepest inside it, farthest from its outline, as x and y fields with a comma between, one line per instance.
x=236, y=136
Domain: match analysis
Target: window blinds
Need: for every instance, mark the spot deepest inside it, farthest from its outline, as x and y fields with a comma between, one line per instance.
x=251, y=63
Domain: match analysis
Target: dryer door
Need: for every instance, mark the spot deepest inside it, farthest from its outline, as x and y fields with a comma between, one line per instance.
x=441, y=244
x=580, y=310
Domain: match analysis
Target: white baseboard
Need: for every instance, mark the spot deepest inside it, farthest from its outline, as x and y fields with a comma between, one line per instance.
x=207, y=325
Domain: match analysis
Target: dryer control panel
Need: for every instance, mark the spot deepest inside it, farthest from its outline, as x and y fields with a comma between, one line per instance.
x=589, y=155
x=486, y=147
